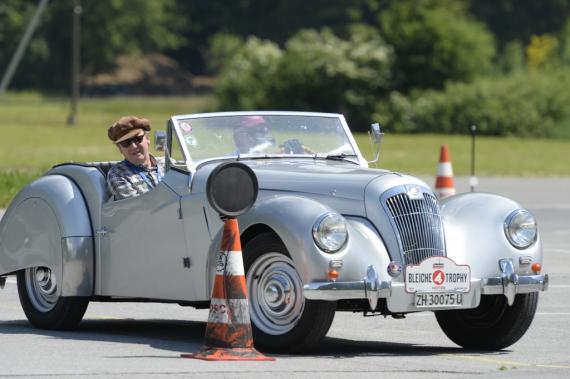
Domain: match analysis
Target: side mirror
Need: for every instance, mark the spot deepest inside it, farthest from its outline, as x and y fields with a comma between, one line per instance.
x=376, y=133
x=159, y=140
x=376, y=136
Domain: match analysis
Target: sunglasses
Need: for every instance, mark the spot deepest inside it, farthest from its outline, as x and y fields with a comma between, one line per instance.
x=126, y=143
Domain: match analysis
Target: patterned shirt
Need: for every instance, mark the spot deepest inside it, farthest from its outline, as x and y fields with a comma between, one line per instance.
x=128, y=180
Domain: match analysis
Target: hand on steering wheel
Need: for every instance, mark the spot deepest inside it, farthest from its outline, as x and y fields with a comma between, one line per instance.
x=294, y=146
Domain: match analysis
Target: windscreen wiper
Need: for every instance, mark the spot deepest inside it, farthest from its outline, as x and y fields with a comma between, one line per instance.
x=338, y=157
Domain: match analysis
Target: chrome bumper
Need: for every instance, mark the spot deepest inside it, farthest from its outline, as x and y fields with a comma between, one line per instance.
x=372, y=288
x=509, y=283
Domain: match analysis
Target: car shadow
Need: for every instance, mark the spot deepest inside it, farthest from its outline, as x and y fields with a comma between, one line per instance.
x=186, y=337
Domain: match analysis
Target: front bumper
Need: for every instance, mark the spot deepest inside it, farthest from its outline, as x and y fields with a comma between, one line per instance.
x=398, y=300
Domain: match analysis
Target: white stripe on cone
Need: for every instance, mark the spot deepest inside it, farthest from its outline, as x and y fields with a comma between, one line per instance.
x=229, y=263
x=444, y=169
x=444, y=192
x=220, y=311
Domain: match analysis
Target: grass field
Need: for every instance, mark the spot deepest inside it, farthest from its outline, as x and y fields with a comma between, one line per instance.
x=35, y=136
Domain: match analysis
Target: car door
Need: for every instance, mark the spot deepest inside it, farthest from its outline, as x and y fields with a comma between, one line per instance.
x=143, y=250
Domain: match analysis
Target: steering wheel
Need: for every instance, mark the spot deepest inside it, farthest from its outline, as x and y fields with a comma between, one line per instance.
x=294, y=146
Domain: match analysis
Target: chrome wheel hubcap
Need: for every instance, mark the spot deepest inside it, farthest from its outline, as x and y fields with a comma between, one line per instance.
x=41, y=286
x=275, y=293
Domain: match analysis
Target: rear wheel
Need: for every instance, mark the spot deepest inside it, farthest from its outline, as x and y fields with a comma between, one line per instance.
x=281, y=317
x=493, y=325
x=39, y=293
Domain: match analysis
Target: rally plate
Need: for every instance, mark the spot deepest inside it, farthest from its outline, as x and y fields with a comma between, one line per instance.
x=438, y=275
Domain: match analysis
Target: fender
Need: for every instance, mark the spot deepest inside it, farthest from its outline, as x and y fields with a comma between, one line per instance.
x=47, y=224
x=292, y=218
x=473, y=224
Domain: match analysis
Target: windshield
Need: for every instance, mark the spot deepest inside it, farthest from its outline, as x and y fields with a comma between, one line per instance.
x=251, y=135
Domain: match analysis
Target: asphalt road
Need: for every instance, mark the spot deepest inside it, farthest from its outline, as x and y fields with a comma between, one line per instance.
x=145, y=340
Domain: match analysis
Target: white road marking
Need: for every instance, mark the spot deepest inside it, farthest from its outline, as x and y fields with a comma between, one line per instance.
x=504, y=362
x=96, y=317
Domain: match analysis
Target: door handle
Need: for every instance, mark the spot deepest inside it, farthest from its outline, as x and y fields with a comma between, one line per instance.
x=102, y=232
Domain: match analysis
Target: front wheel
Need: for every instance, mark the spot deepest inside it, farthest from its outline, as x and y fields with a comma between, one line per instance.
x=281, y=317
x=39, y=293
x=493, y=325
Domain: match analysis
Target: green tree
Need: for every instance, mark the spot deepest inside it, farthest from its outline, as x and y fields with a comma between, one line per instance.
x=565, y=43
x=542, y=52
x=15, y=16
x=511, y=20
x=316, y=71
x=242, y=82
x=512, y=58
x=436, y=41
x=276, y=21
x=109, y=28
x=323, y=72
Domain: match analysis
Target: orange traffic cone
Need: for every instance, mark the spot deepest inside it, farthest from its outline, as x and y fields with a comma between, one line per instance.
x=444, y=185
x=228, y=333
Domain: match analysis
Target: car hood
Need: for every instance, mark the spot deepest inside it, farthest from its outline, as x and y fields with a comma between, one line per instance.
x=330, y=178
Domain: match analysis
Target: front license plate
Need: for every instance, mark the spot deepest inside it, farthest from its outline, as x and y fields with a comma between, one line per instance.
x=435, y=300
x=437, y=275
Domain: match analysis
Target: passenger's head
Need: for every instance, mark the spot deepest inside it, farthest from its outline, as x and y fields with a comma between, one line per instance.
x=251, y=131
x=130, y=134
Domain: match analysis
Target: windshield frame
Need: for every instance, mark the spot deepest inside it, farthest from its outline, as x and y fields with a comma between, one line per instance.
x=193, y=166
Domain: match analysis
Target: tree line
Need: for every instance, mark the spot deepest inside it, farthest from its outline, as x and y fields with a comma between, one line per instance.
x=395, y=59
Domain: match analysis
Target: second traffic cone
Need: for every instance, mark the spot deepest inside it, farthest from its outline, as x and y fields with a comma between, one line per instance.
x=228, y=333
x=444, y=184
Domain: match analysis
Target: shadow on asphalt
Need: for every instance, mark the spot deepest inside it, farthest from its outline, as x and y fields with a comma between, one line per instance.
x=186, y=337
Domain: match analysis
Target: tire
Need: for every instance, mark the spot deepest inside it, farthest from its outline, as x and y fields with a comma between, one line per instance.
x=281, y=321
x=493, y=325
x=45, y=309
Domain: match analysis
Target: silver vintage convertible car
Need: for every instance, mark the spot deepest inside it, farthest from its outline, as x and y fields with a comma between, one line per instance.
x=326, y=234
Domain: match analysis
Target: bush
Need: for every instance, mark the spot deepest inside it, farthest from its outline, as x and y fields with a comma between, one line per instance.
x=242, y=83
x=320, y=71
x=521, y=104
x=436, y=41
x=317, y=71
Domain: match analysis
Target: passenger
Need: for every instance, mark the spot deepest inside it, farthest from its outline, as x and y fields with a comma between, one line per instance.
x=140, y=171
x=251, y=135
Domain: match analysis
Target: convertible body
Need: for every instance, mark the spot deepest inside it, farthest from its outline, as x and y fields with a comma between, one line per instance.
x=326, y=234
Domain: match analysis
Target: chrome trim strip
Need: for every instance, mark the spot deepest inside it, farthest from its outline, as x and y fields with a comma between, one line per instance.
x=370, y=288
x=343, y=290
x=334, y=290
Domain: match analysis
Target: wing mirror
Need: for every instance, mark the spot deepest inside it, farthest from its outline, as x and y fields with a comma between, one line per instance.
x=376, y=136
x=159, y=140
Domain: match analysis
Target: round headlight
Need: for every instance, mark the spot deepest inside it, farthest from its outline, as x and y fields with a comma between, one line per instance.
x=520, y=228
x=329, y=232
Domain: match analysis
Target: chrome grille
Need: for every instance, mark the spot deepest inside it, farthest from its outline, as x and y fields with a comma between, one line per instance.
x=418, y=224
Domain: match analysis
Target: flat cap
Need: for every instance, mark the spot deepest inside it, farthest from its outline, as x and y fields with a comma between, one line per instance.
x=127, y=127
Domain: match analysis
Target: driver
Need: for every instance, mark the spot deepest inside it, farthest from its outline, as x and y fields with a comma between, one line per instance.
x=251, y=135
x=140, y=171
